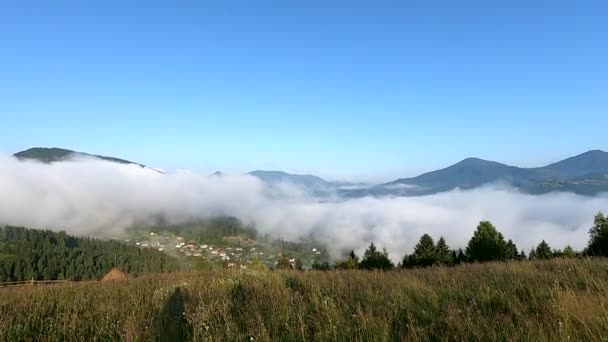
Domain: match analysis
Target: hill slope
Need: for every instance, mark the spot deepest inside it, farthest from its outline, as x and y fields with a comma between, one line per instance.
x=46, y=255
x=580, y=174
x=280, y=176
x=590, y=162
x=51, y=155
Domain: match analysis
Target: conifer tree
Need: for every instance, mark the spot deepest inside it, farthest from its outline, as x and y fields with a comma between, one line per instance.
x=443, y=254
x=598, y=236
x=487, y=244
x=543, y=251
x=374, y=259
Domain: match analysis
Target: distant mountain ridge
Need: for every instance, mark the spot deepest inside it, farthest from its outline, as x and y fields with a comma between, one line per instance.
x=580, y=174
x=585, y=174
x=55, y=154
x=280, y=176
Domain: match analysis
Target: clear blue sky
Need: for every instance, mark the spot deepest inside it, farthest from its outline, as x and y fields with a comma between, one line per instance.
x=343, y=89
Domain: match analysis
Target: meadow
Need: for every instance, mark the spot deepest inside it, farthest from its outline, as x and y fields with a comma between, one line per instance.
x=553, y=300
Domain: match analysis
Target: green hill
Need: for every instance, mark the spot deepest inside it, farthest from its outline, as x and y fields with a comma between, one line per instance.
x=51, y=155
x=45, y=255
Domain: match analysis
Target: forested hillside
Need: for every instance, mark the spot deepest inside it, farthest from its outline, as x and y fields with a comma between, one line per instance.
x=44, y=255
x=213, y=230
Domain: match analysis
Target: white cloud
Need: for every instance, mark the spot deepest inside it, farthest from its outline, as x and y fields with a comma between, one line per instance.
x=92, y=197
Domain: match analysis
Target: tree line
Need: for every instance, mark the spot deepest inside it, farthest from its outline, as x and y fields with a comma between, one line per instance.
x=27, y=254
x=486, y=244
x=212, y=230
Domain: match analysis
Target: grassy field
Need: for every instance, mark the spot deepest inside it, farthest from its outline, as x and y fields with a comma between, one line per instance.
x=557, y=300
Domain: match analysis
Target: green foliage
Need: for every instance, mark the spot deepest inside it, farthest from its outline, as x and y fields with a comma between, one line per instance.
x=374, y=259
x=425, y=253
x=283, y=263
x=522, y=255
x=201, y=264
x=213, y=230
x=297, y=264
x=258, y=265
x=350, y=263
x=569, y=252
x=321, y=266
x=598, y=236
x=511, y=251
x=487, y=244
x=461, y=257
x=444, y=255
x=45, y=255
x=543, y=251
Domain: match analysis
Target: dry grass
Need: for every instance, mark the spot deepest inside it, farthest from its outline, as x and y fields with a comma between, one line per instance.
x=115, y=275
x=531, y=301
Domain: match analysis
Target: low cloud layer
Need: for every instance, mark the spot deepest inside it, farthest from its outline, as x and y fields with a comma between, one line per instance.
x=92, y=197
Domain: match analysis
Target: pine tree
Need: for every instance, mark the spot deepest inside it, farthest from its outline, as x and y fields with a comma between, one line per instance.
x=511, y=251
x=569, y=252
x=374, y=259
x=443, y=255
x=425, y=252
x=598, y=236
x=543, y=251
x=487, y=244
x=350, y=263
x=461, y=256
x=454, y=257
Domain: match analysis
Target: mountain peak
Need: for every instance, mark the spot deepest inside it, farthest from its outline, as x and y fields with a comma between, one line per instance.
x=475, y=161
x=56, y=154
x=589, y=162
x=593, y=153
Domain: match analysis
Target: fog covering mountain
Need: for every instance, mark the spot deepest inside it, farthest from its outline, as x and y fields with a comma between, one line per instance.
x=274, y=177
x=585, y=174
x=92, y=196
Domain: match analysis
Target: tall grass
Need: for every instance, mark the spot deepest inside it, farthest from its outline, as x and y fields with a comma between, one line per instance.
x=556, y=300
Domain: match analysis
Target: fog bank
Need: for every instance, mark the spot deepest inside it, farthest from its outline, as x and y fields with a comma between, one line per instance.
x=98, y=198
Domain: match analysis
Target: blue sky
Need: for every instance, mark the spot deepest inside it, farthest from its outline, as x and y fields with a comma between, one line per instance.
x=343, y=89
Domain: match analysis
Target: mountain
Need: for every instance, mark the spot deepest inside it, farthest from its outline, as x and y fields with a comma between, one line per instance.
x=583, y=174
x=51, y=155
x=275, y=177
x=467, y=174
x=590, y=162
